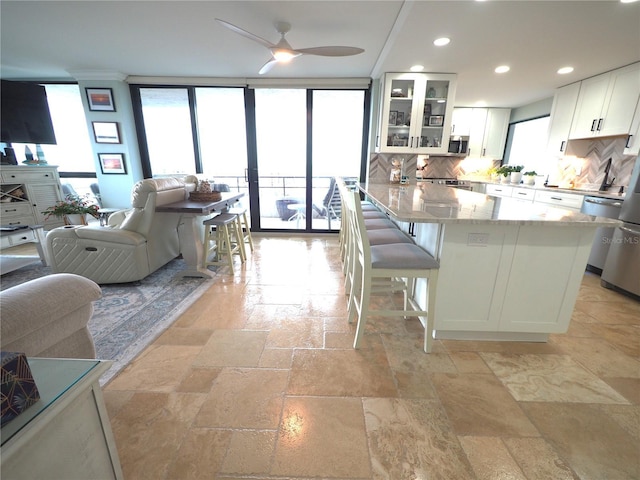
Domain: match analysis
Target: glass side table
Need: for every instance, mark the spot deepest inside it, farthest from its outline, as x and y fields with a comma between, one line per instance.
x=67, y=433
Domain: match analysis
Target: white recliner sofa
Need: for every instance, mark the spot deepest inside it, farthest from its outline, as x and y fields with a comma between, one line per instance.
x=135, y=243
x=48, y=317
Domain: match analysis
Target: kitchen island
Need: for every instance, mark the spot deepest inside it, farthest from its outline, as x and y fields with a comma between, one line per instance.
x=509, y=269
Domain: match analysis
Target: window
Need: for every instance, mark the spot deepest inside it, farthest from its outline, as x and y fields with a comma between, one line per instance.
x=527, y=143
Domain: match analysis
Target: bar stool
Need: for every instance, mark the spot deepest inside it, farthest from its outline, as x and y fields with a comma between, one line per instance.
x=243, y=225
x=223, y=231
x=391, y=267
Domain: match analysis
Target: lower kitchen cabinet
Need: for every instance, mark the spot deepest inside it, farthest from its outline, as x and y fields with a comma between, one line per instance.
x=559, y=199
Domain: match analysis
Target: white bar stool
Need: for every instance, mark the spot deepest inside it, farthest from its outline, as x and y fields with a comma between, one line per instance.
x=243, y=225
x=222, y=230
x=388, y=268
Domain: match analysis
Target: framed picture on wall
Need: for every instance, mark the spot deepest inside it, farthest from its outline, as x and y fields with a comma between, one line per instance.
x=393, y=115
x=100, y=99
x=106, y=132
x=112, y=163
x=400, y=118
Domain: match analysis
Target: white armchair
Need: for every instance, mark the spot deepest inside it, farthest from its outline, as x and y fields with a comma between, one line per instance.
x=135, y=243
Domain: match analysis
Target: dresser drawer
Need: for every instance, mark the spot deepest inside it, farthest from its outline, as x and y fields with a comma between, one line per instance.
x=13, y=209
x=29, y=175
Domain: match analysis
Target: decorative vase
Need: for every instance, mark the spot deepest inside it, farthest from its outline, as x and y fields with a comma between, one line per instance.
x=505, y=178
x=529, y=179
x=75, y=219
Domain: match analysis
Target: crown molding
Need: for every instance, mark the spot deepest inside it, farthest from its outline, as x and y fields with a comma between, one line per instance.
x=97, y=75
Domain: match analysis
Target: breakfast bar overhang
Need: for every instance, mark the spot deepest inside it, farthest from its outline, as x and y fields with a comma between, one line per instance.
x=509, y=270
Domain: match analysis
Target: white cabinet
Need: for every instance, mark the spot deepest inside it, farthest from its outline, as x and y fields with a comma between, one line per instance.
x=520, y=193
x=559, y=199
x=26, y=191
x=564, y=105
x=488, y=132
x=415, y=114
x=461, y=121
x=633, y=142
x=606, y=103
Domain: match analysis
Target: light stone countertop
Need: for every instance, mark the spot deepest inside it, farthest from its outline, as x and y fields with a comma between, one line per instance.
x=432, y=203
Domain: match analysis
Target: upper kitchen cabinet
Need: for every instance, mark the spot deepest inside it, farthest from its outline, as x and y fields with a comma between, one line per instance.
x=416, y=111
x=562, y=110
x=606, y=103
x=633, y=142
x=488, y=132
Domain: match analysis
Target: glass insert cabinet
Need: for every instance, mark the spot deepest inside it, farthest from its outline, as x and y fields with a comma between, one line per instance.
x=415, y=112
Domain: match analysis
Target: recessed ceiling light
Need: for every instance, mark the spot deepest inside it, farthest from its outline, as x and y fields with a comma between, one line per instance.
x=565, y=70
x=417, y=68
x=439, y=42
x=628, y=1
x=502, y=69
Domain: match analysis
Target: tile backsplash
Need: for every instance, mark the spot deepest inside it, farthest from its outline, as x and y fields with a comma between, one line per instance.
x=589, y=158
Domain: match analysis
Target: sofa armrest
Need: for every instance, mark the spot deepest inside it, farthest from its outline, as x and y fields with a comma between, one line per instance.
x=99, y=234
x=40, y=307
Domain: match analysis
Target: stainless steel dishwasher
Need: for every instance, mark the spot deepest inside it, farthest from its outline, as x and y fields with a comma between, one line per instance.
x=601, y=207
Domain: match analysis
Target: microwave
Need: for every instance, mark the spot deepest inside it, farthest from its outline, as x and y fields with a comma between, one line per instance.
x=458, y=144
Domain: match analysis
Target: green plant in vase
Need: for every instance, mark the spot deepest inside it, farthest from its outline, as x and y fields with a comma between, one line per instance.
x=529, y=178
x=73, y=209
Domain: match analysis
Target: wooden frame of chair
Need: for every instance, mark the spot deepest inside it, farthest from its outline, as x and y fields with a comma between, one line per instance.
x=228, y=240
x=387, y=268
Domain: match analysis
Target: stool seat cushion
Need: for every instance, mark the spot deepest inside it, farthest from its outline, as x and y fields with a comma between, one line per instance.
x=385, y=236
x=377, y=223
x=402, y=256
x=222, y=219
x=374, y=214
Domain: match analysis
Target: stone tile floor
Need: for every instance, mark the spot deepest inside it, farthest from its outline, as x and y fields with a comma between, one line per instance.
x=258, y=380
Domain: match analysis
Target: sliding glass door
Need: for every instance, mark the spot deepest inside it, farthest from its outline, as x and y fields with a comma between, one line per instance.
x=279, y=146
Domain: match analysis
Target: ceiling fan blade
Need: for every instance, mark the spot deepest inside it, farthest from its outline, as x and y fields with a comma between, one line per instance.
x=245, y=34
x=267, y=66
x=336, y=51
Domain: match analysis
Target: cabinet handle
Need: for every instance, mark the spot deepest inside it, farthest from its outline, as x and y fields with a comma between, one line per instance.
x=522, y=193
x=484, y=152
x=453, y=128
x=556, y=198
x=628, y=144
x=593, y=124
x=377, y=140
x=600, y=124
x=562, y=145
x=11, y=210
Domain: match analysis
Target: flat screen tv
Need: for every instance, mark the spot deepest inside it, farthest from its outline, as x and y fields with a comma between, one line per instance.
x=25, y=116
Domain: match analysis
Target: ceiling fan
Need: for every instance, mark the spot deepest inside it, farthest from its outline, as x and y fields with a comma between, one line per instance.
x=282, y=52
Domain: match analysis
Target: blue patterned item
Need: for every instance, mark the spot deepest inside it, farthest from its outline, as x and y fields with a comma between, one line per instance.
x=18, y=390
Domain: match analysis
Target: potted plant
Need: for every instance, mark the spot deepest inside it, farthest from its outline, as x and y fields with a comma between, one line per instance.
x=516, y=173
x=504, y=173
x=73, y=209
x=529, y=177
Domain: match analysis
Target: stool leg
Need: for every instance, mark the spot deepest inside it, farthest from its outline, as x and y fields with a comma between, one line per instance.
x=207, y=245
x=432, y=281
x=226, y=241
x=247, y=236
x=237, y=232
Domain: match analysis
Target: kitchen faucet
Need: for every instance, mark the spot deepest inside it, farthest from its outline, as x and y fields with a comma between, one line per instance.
x=605, y=184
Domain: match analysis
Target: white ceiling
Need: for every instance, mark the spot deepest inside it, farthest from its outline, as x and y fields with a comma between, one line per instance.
x=45, y=40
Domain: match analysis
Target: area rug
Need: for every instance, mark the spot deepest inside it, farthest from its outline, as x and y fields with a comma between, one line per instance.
x=130, y=316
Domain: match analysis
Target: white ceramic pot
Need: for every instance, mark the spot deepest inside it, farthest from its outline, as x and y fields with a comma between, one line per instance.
x=529, y=179
x=505, y=179
x=516, y=177
x=75, y=219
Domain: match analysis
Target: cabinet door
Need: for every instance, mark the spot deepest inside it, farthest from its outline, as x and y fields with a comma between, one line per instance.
x=415, y=113
x=633, y=142
x=476, y=132
x=564, y=106
x=589, y=106
x=620, y=102
x=461, y=122
x=42, y=197
x=495, y=132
